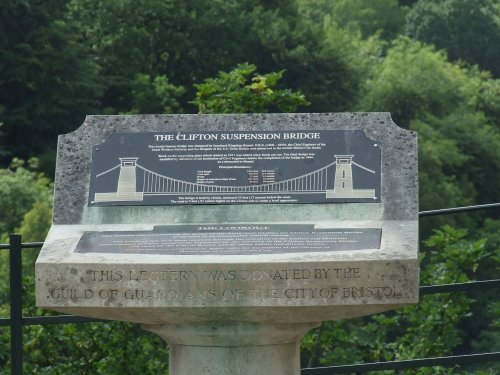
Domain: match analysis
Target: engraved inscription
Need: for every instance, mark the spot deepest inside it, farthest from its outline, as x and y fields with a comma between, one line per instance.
x=230, y=240
x=229, y=286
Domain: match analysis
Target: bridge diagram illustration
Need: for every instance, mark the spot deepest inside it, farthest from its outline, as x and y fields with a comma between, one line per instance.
x=129, y=189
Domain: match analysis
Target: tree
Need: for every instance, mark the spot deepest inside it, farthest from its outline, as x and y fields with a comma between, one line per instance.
x=467, y=29
x=154, y=95
x=322, y=60
x=242, y=90
x=21, y=189
x=63, y=59
x=185, y=41
x=25, y=204
x=413, y=80
x=448, y=106
x=430, y=328
x=48, y=79
x=366, y=16
x=189, y=41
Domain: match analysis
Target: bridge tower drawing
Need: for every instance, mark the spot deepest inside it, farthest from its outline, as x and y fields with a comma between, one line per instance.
x=337, y=174
x=126, y=189
x=343, y=183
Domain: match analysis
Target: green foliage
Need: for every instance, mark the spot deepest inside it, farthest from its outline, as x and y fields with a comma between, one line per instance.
x=94, y=348
x=489, y=101
x=366, y=16
x=26, y=195
x=243, y=90
x=468, y=30
x=21, y=188
x=430, y=328
x=36, y=222
x=327, y=63
x=452, y=109
x=403, y=84
x=452, y=258
x=186, y=41
x=478, y=140
x=488, y=306
x=156, y=95
x=442, y=183
x=3, y=150
x=459, y=154
x=189, y=41
x=49, y=80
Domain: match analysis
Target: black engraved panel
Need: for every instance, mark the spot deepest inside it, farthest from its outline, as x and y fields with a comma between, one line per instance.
x=230, y=240
x=323, y=166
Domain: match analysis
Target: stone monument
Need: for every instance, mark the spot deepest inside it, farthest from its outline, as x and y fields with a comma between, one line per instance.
x=230, y=236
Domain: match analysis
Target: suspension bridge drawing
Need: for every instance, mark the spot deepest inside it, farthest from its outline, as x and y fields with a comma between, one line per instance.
x=335, y=180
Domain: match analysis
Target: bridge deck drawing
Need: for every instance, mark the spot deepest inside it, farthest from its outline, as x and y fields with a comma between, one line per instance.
x=335, y=180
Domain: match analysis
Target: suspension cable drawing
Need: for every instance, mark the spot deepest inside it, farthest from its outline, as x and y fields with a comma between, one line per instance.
x=334, y=179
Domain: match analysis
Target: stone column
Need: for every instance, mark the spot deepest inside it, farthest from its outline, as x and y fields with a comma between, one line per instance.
x=233, y=348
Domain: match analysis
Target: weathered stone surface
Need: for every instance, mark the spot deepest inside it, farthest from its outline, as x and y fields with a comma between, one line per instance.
x=185, y=287
x=399, y=162
x=228, y=349
x=165, y=291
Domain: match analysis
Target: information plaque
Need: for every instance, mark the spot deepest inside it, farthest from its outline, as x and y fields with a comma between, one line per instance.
x=230, y=240
x=238, y=167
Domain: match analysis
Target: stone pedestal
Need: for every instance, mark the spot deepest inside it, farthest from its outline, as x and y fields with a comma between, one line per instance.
x=230, y=236
x=238, y=348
